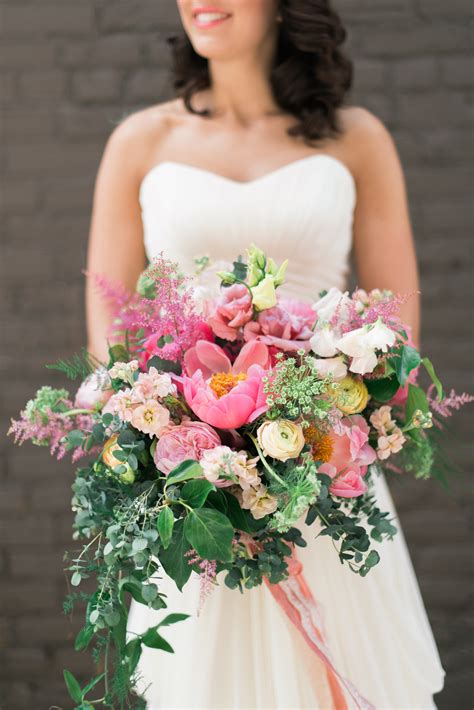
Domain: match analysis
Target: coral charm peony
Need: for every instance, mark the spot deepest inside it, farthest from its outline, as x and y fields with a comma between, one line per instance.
x=240, y=405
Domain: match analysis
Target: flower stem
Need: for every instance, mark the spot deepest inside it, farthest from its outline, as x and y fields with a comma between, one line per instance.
x=73, y=412
x=270, y=470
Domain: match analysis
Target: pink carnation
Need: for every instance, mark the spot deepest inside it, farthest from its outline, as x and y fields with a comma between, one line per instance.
x=286, y=326
x=187, y=440
x=233, y=309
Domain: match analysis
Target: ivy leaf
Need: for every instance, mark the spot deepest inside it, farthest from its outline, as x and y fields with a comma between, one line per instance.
x=408, y=360
x=73, y=686
x=185, y=471
x=173, y=558
x=195, y=492
x=240, y=518
x=434, y=378
x=165, y=525
x=210, y=533
x=384, y=389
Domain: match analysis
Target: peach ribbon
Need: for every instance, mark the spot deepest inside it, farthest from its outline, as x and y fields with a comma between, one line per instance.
x=295, y=598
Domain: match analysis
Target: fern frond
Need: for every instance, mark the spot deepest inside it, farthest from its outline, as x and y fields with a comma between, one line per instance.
x=78, y=366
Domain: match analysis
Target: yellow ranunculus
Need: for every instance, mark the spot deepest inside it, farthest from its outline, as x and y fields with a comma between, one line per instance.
x=264, y=295
x=109, y=459
x=281, y=439
x=350, y=395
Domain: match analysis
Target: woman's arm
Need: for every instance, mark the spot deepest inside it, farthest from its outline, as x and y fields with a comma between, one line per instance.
x=383, y=241
x=115, y=247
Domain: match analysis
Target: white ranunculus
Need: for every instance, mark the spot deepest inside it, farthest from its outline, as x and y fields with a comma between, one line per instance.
x=324, y=342
x=332, y=301
x=361, y=344
x=333, y=367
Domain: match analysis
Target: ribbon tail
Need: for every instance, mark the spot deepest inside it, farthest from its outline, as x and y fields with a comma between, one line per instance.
x=299, y=605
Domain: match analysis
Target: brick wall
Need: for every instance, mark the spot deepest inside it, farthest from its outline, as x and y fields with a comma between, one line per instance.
x=70, y=71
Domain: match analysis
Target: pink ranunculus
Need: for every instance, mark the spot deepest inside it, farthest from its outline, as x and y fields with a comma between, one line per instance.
x=211, y=358
x=227, y=400
x=185, y=441
x=286, y=326
x=152, y=348
x=346, y=484
x=233, y=309
x=351, y=451
x=358, y=434
x=95, y=391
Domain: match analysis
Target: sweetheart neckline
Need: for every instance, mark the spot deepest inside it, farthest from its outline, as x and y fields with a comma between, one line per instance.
x=254, y=181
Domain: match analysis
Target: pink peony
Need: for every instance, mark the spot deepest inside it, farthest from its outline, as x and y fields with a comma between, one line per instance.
x=286, y=326
x=233, y=309
x=211, y=358
x=227, y=400
x=348, y=484
x=187, y=440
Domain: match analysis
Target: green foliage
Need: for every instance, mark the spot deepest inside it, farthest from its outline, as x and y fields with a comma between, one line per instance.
x=384, y=389
x=46, y=398
x=210, y=533
x=78, y=366
x=351, y=523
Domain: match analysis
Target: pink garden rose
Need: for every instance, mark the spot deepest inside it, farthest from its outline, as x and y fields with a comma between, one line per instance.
x=187, y=440
x=351, y=454
x=286, y=326
x=233, y=309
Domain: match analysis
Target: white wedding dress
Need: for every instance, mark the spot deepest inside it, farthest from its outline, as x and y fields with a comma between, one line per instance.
x=241, y=652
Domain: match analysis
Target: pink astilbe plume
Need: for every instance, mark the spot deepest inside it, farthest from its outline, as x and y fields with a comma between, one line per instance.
x=206, y=577
x=170, y=314
x=451, y=403
x=45, y=431
x=386, y=308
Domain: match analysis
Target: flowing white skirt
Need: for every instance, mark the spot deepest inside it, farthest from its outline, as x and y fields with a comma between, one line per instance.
x=242, y=653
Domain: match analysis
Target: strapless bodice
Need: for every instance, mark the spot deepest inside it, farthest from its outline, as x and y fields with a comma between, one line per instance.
x=302, y=211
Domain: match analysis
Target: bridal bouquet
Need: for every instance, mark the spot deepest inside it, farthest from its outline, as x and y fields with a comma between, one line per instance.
x=225, y=418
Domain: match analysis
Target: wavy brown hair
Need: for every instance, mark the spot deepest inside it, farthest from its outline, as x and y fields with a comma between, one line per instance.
x=310, y=76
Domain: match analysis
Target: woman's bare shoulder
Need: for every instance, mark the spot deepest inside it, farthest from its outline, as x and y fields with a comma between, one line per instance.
x=363, y=129
x=138, y=133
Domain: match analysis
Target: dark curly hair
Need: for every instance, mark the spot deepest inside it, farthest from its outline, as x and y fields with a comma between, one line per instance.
x=310, y=76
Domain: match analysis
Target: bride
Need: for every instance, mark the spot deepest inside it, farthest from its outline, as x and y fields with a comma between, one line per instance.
x=259, y=146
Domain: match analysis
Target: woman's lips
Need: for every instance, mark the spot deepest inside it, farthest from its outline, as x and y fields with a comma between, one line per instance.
x=206, y=20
